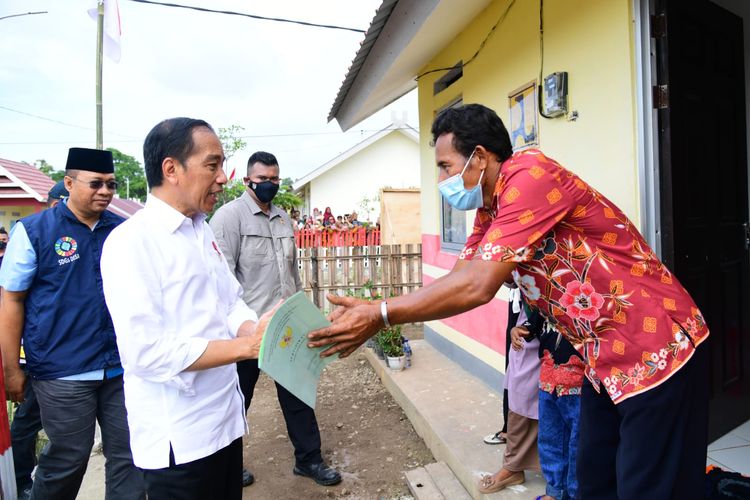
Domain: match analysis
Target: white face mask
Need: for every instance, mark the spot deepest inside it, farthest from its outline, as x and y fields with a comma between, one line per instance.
x=457, y=195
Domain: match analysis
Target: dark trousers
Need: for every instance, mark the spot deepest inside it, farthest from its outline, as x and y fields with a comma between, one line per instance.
x=215, y=477
x=652, y=445
x=27, y=422
x=301, y=424
x=70, y=410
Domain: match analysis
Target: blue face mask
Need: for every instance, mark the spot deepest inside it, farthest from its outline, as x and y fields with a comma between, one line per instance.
x=457, y=195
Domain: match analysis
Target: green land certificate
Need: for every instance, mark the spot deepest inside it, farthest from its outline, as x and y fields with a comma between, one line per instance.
x=284, y=354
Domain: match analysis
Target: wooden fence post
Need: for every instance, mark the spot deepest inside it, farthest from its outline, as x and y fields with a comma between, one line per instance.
x=314, y=275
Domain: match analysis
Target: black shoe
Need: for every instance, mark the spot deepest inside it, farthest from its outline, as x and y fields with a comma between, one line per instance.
x=247, y=477
x=319, y=472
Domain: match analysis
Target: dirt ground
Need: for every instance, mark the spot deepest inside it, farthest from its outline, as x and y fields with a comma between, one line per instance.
x=365, y=435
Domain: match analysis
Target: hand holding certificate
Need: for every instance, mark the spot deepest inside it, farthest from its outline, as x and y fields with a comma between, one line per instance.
x=284, y=354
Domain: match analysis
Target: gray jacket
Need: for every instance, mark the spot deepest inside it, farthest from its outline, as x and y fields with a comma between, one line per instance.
x=260, y=251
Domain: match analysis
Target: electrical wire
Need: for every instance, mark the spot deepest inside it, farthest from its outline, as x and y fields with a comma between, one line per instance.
x=252, y=16
x=135, y=139
x=260, y=136
x=481, y=45
x=59, y=122
x=540, y=89
x=23, y=14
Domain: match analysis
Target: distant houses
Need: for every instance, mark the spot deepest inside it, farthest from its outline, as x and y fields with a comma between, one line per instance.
x=23, y=191
x=352, y=181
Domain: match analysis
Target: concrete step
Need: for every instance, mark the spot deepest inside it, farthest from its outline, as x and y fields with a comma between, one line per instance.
x=452, y=411
x=435, y=482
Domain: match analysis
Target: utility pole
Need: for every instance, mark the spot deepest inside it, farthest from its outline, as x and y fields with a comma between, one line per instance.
x=99, y=51
x=127, y=188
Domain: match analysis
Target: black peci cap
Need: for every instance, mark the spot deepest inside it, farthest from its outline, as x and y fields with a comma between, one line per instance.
x=91, y=160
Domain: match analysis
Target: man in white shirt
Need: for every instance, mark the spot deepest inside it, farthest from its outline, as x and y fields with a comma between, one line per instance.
x=180, y=322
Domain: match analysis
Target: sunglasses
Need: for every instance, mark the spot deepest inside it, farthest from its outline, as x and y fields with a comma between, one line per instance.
x=98, y=184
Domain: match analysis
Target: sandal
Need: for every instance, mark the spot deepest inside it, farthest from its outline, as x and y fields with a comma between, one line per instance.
x=496, y=438
x=488, y=485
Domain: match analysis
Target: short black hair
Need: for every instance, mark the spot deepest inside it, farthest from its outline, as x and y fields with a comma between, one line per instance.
x=171, y=138
x=263, y=157
x=473, y=125
x=2, y=230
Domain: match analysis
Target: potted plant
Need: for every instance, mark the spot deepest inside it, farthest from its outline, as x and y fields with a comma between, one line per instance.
x=390, y=341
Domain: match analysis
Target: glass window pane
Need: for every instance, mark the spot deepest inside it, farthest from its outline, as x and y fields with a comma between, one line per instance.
x=453, y=226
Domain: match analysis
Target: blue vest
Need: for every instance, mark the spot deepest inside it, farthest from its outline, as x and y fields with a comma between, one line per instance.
x=67, y=328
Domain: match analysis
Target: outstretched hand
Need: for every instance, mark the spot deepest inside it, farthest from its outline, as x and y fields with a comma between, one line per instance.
x=353, y=322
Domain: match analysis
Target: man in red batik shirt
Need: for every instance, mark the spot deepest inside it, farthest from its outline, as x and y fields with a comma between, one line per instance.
x=582, y=263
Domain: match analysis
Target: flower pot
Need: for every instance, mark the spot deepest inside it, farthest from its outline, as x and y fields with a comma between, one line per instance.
x=396, y=363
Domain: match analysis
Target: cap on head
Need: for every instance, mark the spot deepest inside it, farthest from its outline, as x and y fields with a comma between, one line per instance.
x=90, y=160
x=58, y=191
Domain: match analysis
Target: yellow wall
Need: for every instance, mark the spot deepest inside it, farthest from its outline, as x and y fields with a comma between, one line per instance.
x=592, y=41
x=13, y=213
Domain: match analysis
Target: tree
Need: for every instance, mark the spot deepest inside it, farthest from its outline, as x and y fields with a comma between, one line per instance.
x=231, y=141
x=49, y=170
x=285, y=198
x=131, y=176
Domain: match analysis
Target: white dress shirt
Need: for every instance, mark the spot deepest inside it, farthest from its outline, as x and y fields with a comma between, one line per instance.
x=169, y=291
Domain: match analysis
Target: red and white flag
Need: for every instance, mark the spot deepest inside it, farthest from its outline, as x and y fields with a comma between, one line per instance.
x=112, y=28
x=7, y=474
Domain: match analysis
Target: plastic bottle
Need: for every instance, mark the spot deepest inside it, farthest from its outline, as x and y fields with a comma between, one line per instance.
x=407, y=351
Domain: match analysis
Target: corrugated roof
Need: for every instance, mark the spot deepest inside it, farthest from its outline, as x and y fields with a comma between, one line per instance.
x=26, y=181
x=28, y=178
x=124, y=208
x=376, y=26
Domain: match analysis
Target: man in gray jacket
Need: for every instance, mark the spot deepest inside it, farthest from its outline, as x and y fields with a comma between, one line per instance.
x=257, y=239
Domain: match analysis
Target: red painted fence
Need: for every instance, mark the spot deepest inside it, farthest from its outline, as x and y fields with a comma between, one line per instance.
x=309, y=238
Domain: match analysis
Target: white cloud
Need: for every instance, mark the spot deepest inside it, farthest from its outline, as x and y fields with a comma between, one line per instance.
x=274, y=79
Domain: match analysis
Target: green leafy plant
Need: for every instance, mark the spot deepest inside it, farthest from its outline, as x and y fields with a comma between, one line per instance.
x=390, y=340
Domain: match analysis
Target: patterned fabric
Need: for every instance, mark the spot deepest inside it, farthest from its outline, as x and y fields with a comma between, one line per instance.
x=588, y=270
x=562, y=379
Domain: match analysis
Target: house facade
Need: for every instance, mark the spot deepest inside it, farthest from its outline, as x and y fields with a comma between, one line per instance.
x=352, y=180
x=644, y=99
x=24, y=189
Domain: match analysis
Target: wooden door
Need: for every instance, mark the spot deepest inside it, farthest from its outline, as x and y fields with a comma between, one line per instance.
x=704, y=186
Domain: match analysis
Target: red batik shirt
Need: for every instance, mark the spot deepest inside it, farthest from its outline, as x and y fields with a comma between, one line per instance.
x=589, y=271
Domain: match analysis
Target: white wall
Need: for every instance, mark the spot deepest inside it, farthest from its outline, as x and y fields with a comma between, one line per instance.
x=392, y=161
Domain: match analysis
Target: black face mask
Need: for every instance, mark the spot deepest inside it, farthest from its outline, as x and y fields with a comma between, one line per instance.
x=265, y=191
x=3, y=244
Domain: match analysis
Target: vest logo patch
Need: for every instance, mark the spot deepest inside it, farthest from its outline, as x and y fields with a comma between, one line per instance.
x=66, y=247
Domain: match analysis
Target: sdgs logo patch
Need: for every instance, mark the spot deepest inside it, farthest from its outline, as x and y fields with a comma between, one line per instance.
x=66, y=248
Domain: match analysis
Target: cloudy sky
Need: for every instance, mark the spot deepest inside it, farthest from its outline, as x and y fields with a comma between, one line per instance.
x=277, y=80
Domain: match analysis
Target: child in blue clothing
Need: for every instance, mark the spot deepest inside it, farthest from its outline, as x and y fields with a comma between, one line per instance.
x=560, y=380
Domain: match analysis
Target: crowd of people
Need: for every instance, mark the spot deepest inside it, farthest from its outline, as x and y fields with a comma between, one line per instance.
x=320, y=221
x=152, y=326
